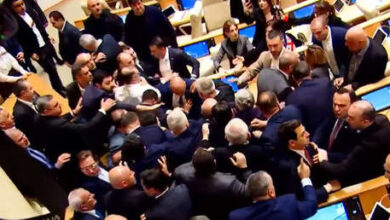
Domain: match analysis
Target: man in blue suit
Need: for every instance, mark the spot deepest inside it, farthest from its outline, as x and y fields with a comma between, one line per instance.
x=83, y=203
x=267, y=206
x=314, y=98
x=332, y=40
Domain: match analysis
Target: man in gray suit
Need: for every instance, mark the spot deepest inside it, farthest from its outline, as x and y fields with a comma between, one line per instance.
x=277, y=80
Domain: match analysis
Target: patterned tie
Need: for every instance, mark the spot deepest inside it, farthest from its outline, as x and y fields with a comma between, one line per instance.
x=308, y=158
x=40, y=157
x=335, y=131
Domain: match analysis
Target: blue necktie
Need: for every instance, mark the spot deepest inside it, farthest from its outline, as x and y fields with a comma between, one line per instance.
x=40, y=157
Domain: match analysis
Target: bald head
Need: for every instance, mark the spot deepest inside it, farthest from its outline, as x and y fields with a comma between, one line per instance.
x=319, y=27
x=177, y=85
x=356, y=39
x=207, y=107
x=121, y=177
x=115, y=217
x=85, y=59
x=287, y=61
x=361, y=114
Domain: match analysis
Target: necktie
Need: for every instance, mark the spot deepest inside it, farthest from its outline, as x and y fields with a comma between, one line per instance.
x=335, y=131
x=308, y=157
x=40, y=157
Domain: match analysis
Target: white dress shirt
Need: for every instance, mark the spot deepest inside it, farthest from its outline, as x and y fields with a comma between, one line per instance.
x=29, y=104
x=329, y=53
x=103, y=175
x=7, y=63
x=26, y=17
x=165, y=65
x=275, y=62
x=132, y=93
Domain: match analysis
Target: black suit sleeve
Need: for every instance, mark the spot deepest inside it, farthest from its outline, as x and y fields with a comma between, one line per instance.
x=188, y=60
x=81, y=127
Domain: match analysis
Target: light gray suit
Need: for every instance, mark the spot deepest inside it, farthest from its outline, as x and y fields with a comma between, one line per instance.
x=243, y=46
x=273, y=80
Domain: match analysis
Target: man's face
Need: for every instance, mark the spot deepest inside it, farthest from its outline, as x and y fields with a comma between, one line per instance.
x=6, y=120
x=20, y=139
x=127, y=61
x=275, y=46
x=28, y=93
x=157, y=52
x=95, y=7
x=89, y=201
x=54, y=108
x=303, y=138
x=89, y=167
x=138, y=7
x=108, y=84
x=386, y=166
x=84, y=77
x=355, y=119
x=319, y=32
x=57, y=24
x=131, y=52
x=341, y=104
x=19, y=7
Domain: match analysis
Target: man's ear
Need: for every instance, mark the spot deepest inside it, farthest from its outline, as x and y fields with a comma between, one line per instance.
x=271, y=192
x=292, y=143
x=249, y=136
x=83, y=207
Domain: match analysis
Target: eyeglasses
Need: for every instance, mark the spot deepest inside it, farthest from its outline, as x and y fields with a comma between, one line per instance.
x=90, y=167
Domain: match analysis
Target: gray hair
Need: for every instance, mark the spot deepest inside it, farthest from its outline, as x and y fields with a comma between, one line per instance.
x=205, y=85
x=41, y=103
x=257, y=184
x=86, y=40
x=75, y=200
x=244, y=99
x=236, y=131
x=177, y=120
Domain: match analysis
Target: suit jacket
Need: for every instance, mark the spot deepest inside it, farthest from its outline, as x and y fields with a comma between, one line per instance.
x=280, y=208
x=107, y=23
x=366, y=159
x=74, y=94
x=68, y=45
x=34, y=6
x=25, y=35
x=248, y=115
x=217, y=134
x=180, y=149
x=273, y=80
x=151, y=134
x=226, y=93
x=25, y=118
x=84, y=216
x=175, y=204
x=99, y=188
x=214, y=196
x=333, y=21
x=179, y=60
x=130, y=203
x=372, y=67
x=340, y=51
x=111, y=49
x=243, y=46
x=314, y=98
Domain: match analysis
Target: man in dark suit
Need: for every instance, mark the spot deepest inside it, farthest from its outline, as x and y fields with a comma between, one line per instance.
x=172, y=60
x=332, y=40
x=368, y=61
x=214, y=194
x=267, y=206
x=102, y=22
x=313, y=97
x=125, y=199
x=278, y=80
x=207, y=88
x=76, y=89
x=221, y=114
x=35, y=41
x=105, y=49
x=68, y=36
x=83, y=203
x=366, y=159
x=342, y=138
x=58, y=130
x=170, y=203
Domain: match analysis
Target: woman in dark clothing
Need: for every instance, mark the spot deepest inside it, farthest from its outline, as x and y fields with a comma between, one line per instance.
x=321, y=8
x=315, y=58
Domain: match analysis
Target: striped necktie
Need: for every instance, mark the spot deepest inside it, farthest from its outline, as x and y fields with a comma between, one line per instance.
x=39, y=157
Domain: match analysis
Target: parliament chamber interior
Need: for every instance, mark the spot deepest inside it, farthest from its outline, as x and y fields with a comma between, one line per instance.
x=195, y=109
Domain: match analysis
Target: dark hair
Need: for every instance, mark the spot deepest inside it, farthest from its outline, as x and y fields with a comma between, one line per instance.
x=42, y=102
x=315, y=56
x=226, y=27
x=76, y=68
x=287, y=132
x=267, y=102
x=147, y=118
x=56, y=15
x=19, y=87
x=149, y=94
x=128, y=118
x=133, y=149
x=222, y=113
x=301, y=70
x=274, y=34
x=99, y=75
x=352, y=94
x=8, y=4
x=84, y=154
x=324, y=6
x=123, y=78
x=154, y=178
x=203, y=162
x=157, y=41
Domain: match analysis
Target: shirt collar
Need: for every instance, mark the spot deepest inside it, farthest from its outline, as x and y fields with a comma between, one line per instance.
x=63, y=27
x=2, y=51
x=91, y=212
x=29, y=104
x=166, y=57
x=165, y=191
x=99, y=41
x=329, y=35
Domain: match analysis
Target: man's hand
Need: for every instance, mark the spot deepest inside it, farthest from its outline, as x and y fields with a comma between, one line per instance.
x=100, y=58
x=239, y=160
x=162, y=161
x=107, y=104
x=349, y=87
x=141, y=108
x=303, y=170
x=258, y=124
x=78, y=107
x=187, y=106
x=332, y=186
x=35, y=56
x=205, y=131
x=63, y=158
x=338, y=81
x=20, y=56
x=143, y=217
x=237, y=60
x=321, y=156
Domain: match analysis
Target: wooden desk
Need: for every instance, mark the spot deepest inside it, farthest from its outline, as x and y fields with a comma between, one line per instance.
x=371, y=25
x=42, y=88
x=369, y=192
x=299, y=6
x=352, y=13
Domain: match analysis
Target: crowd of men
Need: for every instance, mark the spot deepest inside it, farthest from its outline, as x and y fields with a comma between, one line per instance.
x=148, y=139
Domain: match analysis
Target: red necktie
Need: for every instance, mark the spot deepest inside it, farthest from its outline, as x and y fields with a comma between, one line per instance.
x=335, y=131
x=308, y=157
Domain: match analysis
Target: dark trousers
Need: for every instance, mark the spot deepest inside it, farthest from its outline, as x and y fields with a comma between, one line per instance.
x=46, y=61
